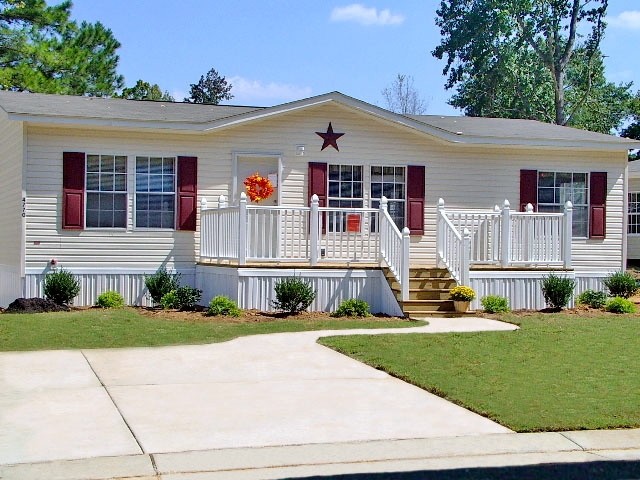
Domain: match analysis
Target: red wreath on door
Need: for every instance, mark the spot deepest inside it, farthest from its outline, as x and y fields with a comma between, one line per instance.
x=258, y=187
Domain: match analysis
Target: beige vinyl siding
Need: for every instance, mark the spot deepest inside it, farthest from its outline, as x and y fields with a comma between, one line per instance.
x=633, y=241
x=466, y=177
x=11, y=148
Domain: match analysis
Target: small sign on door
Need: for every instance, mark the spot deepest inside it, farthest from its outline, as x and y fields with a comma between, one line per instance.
x=353, y=222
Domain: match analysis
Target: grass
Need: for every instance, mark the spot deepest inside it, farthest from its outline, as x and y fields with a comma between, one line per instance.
x=559, y=372
x=97, y=328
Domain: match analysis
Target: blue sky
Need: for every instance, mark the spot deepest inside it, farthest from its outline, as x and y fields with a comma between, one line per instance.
x=278, y=51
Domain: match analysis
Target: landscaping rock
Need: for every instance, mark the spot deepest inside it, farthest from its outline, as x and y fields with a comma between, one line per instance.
x=34, y=305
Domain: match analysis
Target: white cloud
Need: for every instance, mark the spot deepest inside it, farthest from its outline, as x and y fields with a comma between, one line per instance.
x=247, y=91
x=179, y=95
x=629, y=19
x=358, y=13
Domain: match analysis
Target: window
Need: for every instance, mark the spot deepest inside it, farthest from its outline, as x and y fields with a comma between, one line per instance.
x=390, y=182
x=155, y=192
x=556, y=188
x=106, y=187
x=634, y=213
x=345, y=191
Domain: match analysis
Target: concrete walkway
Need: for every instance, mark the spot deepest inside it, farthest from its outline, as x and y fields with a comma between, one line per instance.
x=263, y=403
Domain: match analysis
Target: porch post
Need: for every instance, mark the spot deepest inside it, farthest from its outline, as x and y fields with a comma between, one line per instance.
x=406, y=243
x=314, y=236
x=567, y=234
x=204, y=227
x=495, y=228
x=527, y=235
x=439, y=232
x=506, y=234
x=217, y=235
x=383, y=230
x=242, y=230
x=464, y=261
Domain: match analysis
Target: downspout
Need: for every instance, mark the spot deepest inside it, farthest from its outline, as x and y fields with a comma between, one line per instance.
x=625, y=215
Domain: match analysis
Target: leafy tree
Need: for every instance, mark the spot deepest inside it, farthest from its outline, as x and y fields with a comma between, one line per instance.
x=211, y=89
x=402, y=97
x=633, y=130
x=145, y=91
x=42, y=50
x=483, y=39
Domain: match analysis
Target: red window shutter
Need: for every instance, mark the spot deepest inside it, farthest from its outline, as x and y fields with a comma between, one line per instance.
x=597, y=204
x=187, y=193
x=528, y=189
x=318, y=182
x=415, y=199
x=73, y=190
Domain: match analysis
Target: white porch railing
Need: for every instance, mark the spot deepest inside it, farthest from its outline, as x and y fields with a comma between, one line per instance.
x=502, y=238
x=303, y=234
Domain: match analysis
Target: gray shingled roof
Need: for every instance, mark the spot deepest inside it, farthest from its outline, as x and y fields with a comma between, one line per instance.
x=509, y=128
x=115, y=109
x=116, y=112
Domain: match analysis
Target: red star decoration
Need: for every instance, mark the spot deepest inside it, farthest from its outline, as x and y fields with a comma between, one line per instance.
x=330, y=138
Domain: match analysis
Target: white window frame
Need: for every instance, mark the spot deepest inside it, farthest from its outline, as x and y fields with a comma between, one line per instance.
x=120, y=192
x=559, y=207
x=396, y=200
x=633, y=209
x=135, y=191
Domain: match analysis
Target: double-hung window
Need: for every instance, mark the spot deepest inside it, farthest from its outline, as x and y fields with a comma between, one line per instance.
x=556, y=188
x=345, y=191
x=155, y=192
x=106, y=187
x=391, y=183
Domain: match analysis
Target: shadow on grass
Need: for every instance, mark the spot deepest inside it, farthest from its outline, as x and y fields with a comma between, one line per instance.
x=565, y=471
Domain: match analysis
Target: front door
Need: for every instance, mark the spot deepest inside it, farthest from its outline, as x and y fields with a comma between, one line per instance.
x=263, y=224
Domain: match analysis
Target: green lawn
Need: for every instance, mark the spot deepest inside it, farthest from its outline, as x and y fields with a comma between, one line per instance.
x=559, y=372
x=97, y=328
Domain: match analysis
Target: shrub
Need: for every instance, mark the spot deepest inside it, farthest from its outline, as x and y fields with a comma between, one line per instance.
x=222, y=305
x=621, y=284
x=293, y=295
x=352, y=308
x=61, y=287
x=161, y=283
x=462, y=293
x=592, y=298
x=620, y=305
x=187, y=297
x=182, y=298
x=557, y=291
x=495, y=304
x=169, y=300
x=110, y=299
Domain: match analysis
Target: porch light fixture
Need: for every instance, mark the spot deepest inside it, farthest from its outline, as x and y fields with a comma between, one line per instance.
x=299, y=150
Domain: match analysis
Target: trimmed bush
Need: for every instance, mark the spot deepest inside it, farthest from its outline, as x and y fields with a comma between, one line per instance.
x=620, y=305
x=182, y=298
x=352, y=308
x=187, y=298
x=592, y=298
x=161, y=283
x=222, y=305
x=495, y=304
x=557, y=291
x=169, y=300
x=61, y=287
x=110, y=299
x=621, y=284
x=293, y=295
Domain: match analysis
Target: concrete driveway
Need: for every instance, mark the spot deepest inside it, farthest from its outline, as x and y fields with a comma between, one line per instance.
x=258, y=391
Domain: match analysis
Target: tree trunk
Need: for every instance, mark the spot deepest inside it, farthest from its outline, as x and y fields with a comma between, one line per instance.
x=559, y=96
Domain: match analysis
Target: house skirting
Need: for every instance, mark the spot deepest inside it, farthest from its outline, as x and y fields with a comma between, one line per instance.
x=524, y=288
x=129, y=283
x=253, y=288
x=10, y=284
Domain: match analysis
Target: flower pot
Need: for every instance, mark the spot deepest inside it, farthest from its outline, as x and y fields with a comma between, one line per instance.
x=461, y=306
